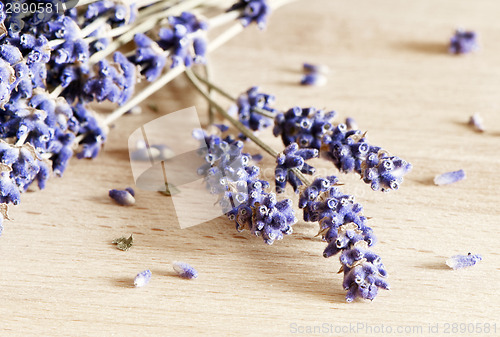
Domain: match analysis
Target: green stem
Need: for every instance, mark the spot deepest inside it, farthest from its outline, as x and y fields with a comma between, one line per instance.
x=237, y=124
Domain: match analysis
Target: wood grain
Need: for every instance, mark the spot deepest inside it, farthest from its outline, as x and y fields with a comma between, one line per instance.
x=61, y=276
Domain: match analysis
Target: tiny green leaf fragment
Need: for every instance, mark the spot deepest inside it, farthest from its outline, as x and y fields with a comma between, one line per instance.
x=124, y=243
x=153, y=107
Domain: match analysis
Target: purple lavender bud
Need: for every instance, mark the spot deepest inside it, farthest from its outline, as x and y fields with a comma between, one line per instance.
x=315, y=68
x=142, y=278
x=351, y=123
x=463, y=42
x=292, y=158
x=476, y=121
x=463, y=261
x=200, y=49
x=449, y=177
x=11, y=54
x=122, y=197
x=61, y=159
x=184, y=270
x=130, y=190
x=252, y=10
x=314, y=79
x=27, y=41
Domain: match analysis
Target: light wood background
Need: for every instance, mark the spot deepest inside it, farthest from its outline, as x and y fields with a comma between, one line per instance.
x=61, y=276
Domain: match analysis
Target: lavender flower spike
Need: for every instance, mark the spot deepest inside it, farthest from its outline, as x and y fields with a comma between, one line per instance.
x=142, y=278
x=449, y=177
x=185, y=270
x=463, y=261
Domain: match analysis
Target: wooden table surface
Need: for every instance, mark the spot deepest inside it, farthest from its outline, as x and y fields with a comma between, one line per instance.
x=390, y=70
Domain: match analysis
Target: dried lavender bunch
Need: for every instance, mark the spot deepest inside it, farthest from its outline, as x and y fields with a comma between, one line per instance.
x=229, y=174
x=53, y=64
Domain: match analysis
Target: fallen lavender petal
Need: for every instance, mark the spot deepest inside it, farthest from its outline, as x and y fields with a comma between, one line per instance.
x=463, y=261
x=477, y=122
x=122, y=197
x=142, y=278
x=185, y=270
x=449, y=177
x=315, y=79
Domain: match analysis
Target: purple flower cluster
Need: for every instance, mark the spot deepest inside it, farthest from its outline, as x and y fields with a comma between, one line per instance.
x=183, y=40
x=463, y=42
x=229, y=174
x=344, y=228
x=114, y=81
x=293, y=158
x=118, y=13
x=347, y=149
x=306, y=127
x=245, y=109
x=252, y=11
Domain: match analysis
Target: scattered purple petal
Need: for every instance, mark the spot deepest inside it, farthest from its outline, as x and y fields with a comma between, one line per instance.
x=463, y=261
x=185, y=270
x=463, y=42
x=449, y=177
x=142, y=278
x=315, y=79
x=477, y=122
x=122, y=197
x=315, y=68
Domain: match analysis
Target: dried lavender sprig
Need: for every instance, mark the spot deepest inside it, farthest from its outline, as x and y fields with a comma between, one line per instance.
x=344, y=228
x=347, y=149
x=242, y=196
x=342, y=225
